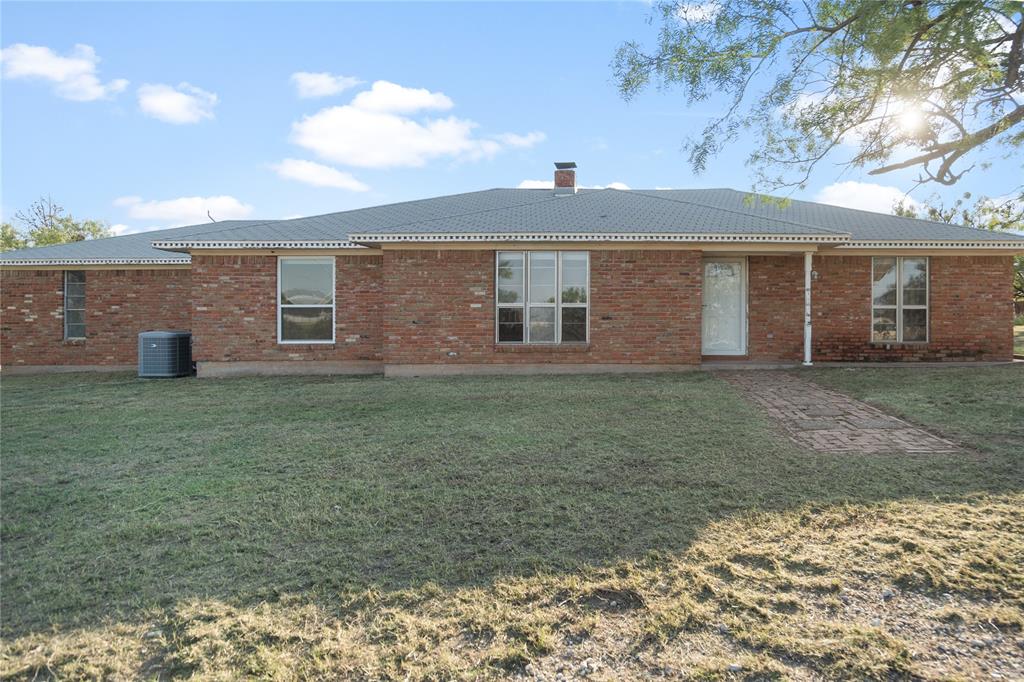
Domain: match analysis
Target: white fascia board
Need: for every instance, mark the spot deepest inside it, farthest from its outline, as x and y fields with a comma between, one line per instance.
x=600, y=237
x=935, y=244
x=197, y=245
x=97, y=261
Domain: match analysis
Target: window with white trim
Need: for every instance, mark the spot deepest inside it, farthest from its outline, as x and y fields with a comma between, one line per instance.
x=542, y=296
x=899, y=299
x=305, y=300
x=74, y=304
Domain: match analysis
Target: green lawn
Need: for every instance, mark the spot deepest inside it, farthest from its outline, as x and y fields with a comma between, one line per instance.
x=372, y=528
x=1018, y=339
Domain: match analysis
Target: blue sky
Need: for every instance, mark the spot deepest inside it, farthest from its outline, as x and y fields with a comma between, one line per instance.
x=166, y=111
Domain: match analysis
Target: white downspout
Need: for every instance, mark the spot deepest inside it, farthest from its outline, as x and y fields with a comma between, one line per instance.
x=807, y=309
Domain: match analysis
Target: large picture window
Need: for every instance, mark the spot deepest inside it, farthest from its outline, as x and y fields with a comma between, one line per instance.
x=74, y=304
x=899, y=299
x=542, y=296
x=305, y=300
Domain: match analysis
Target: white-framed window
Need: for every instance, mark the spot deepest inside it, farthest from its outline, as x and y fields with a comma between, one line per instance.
x=542, y=296
x=305, y=300
x=74, y=304
x=899, y=299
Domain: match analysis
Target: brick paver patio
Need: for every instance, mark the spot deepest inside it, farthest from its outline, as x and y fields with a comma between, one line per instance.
x=828, y=421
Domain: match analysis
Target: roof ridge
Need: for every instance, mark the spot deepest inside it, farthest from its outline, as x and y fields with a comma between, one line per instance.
x=252, y=223
x=399, y=203
x=876, y=214
x=179, y=227
x=938, y=223
x=36, y=249
x=412, y=201
x=826, y=230
x=468, y=213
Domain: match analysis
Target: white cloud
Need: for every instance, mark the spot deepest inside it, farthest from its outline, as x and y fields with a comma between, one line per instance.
x=182, y=104
x=318, y=175
x=698, y=11
x=867, y=196
x=375, y=131
x=120, y=229
x=185, y=210
x=550, y=184
x=371, y=140
x=525, y=141
x=73, y=77
x=385, y=97
x=322, y=84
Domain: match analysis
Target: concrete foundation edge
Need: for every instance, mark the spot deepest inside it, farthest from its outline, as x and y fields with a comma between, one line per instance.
x=28, y=370
x=215, y=370
x=922, y=363
x=527, y=369
x=308, y=368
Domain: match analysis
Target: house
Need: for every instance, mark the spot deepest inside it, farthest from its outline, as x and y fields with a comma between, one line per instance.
x=518, y=280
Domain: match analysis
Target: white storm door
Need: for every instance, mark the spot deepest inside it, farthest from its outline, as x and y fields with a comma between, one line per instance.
x=724, y=315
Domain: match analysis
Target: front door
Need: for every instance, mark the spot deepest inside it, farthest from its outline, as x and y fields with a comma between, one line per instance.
x=724, y=315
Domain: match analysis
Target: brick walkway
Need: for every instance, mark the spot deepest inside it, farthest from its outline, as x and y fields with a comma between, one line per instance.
x=827, y=421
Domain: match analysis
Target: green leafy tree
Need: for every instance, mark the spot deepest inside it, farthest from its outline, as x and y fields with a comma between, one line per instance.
x=10, y=239
x=985, y=214
x=46, y=223
x=910, y=84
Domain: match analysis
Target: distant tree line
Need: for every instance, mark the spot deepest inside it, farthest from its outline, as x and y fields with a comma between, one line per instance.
x=984, y=214
x=46, y=223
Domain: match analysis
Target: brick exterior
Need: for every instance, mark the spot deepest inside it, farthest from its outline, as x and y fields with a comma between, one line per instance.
x=970, y=314
x=119, y=304
x=439, y=308
x=775, y=308
x=234, y=300
x=565, y=178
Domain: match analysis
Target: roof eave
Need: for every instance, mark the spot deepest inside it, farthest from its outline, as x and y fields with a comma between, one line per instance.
x=889, y=244
x=372, y=238
x=95, y=261
x=187, y=246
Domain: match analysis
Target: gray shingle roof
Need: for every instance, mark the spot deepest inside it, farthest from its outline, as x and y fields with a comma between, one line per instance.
x=606, y=212
x=525, y=212
x=337, y=226
x=129, y=248
x=860, y=225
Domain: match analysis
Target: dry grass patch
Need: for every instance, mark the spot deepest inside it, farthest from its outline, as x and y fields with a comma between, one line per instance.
x=837, y=592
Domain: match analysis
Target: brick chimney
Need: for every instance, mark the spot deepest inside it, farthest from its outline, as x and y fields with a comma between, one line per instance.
x=565, y=177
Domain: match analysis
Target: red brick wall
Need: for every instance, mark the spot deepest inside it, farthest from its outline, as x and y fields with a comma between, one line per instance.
x=118, y=304
x=645, y=308
x=234, y=316
x=775, y=308
x=970, y=310
x=439, y=308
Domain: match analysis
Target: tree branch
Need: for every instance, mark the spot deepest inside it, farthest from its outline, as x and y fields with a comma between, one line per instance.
x=958, y=147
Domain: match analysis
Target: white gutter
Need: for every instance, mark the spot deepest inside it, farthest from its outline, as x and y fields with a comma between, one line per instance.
x=598, y=237
x=188, y=244
x=96, y=261
x=944, y=244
